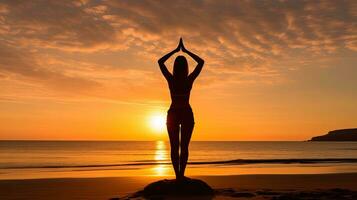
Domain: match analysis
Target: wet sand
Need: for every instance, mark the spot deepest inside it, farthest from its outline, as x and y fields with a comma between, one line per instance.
x=226, y=187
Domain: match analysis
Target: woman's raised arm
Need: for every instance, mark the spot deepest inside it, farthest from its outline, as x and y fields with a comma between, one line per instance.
x=200, y=63
x=162, y=61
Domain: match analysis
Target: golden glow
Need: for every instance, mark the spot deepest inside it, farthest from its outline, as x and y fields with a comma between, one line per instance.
x=161, y=157
x=157, y=122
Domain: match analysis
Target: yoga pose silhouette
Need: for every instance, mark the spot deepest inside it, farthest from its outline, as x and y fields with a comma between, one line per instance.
x=180, y=116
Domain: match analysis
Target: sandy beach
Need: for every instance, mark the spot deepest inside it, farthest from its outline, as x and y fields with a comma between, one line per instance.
x=327, y=186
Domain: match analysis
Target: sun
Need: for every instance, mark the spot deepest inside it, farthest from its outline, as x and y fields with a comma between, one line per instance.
x=157, y=122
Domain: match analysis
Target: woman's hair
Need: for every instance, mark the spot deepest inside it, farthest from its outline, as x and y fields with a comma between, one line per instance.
x=180, y=67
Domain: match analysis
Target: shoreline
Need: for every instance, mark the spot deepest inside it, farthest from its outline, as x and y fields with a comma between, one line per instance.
x=235, y=162
x=114, y=187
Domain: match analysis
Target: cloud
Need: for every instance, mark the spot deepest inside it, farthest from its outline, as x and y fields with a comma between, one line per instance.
x=241, y=41
x=247, y=27
x=24, y=65
x=56, y=24
x=244, y=36
x=250, y=25
x=250, y=37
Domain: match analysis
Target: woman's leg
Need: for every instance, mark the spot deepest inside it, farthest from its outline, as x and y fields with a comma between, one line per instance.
x=186, y=132
x=173, y=130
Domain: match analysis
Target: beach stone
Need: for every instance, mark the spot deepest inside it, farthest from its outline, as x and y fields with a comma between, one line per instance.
x=185, y=187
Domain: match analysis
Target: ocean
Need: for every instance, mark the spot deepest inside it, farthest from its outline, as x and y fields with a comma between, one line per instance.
x=56, y=159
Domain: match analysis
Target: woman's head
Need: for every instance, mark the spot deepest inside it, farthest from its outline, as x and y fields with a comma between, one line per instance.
x=180, y=67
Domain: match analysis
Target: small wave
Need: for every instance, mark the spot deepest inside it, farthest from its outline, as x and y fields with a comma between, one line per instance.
x=281, y=161
x=223, y=162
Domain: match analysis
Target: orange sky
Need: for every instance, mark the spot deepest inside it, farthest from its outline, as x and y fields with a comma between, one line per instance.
x=88, y=70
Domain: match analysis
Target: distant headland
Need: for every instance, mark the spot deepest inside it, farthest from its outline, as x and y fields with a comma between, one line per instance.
x=338, y=135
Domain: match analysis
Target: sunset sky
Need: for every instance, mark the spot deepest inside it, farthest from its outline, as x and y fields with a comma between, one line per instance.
x=87, y=70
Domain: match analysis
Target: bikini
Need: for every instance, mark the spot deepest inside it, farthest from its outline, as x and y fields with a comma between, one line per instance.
x=180, y=114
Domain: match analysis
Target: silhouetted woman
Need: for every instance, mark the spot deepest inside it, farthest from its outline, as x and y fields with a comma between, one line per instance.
x=180, y=116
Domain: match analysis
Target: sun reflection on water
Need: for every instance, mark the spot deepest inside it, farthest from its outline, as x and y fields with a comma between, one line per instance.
x=161, y=157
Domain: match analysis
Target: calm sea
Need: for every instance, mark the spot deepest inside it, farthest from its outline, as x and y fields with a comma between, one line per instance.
x=50, y=159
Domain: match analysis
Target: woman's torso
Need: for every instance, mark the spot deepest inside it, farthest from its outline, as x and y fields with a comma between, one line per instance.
x=180, y=93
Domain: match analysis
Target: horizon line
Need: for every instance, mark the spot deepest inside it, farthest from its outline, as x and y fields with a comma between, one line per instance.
x=86, y=140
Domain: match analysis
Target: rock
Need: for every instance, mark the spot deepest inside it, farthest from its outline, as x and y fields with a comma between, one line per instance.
x=186, y=187
x=338, y=135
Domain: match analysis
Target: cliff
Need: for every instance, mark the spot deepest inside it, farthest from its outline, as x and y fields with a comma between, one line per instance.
x=338, y=135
